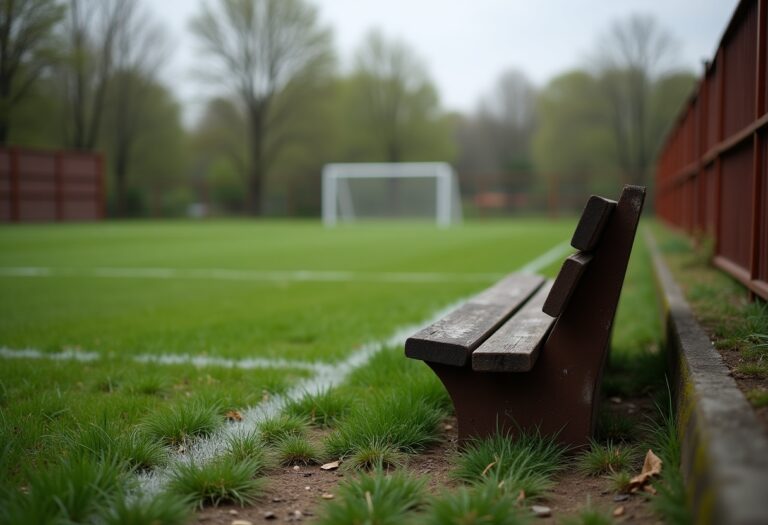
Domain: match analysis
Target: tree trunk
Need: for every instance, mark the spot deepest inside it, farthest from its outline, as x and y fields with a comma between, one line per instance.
x=257, y=167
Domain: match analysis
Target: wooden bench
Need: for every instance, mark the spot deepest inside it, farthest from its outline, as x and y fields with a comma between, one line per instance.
x=528, y=353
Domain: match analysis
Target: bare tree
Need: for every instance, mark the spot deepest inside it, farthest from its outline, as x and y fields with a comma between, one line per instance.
x=139, y=48
x=25, y=50
x=92, y=30
x=262, y=49
x=396, y=92
x=630, y=58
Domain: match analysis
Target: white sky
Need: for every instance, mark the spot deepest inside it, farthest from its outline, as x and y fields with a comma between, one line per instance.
x=467, y=44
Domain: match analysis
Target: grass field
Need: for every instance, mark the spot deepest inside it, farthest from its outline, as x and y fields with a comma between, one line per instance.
x=85, y=301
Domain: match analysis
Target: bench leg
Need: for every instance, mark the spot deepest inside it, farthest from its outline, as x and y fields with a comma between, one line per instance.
x=543, y=400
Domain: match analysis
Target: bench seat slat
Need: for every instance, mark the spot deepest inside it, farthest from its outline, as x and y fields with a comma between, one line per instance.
x=593, y=220
x=515, y=346
x=566, y=281
x=452, y=339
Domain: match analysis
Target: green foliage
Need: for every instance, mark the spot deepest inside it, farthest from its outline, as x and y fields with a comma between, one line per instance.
x=376, y=455
x=105, y=441
x=274, y=429
x=606, y=459
x=223, y=480
x=589, y=515
x=175, y=425
x=164, y=509
x=400, y=419
x=74, y=491
x=483, y=504
x=323, y=409
x=504, y=455
x=758, y=397
x=296, y=450
x=620, y=481
x=248, y=447
x=375, y=499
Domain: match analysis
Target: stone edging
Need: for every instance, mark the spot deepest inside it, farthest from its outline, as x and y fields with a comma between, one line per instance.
x=724, y=449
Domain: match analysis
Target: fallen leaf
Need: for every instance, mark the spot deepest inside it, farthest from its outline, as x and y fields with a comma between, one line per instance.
x=521, y=496
x=234, y=415
x=650, y=490
x=651, y=467
x=333, y=465
x=618, y=511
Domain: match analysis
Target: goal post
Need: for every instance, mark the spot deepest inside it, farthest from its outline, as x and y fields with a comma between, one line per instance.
x=355, y=191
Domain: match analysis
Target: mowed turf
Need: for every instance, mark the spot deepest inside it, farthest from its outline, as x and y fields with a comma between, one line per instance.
x=235, y=318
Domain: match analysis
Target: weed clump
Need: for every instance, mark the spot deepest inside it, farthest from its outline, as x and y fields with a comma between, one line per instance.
x=272, y=430
x=297, y=450
x=606, y=459
x=223, y=480
x=322, y=409
x=174, y=426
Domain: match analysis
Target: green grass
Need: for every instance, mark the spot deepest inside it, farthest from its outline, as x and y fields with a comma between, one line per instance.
x=276, y=429
x=174, y=426
x=376, y=454
x=375, y=499
x=608, y=458
x=485, y=504
x=297, y=450
x=223, y=480
x=248, y=447
x=165, y=509
x=322, y=409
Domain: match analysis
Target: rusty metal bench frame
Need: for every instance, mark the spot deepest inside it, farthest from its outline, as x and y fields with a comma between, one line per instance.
x=549, y=377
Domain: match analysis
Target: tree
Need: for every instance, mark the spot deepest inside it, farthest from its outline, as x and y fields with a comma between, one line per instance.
x=26, y=48
x=632, y=55
x=394, y=104
x=263, y=49
x=92, y=31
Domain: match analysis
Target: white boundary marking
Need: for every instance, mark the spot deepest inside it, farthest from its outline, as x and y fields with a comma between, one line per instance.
x=223, y=274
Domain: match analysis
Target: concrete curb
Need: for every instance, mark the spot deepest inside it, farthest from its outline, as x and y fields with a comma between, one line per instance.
x=724, y=450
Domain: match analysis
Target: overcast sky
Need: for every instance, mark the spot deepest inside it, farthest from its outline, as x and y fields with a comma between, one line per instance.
x=468, y=43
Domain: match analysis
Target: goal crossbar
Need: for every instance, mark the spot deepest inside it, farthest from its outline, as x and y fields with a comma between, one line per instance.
x=336, y=195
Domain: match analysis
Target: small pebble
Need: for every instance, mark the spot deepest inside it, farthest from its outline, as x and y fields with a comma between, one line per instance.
x=233, y=512
x=306, y=488
x=616, y=400
x=241, y=522
x=618, y=511
x=277, y=500
x=269, y=515
x=540, y=511
x=326, y=495
x=620, y=497
x=296, y=468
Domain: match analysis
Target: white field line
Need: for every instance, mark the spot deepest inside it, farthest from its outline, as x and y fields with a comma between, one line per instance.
x=199, y=361
x=221, y=274
x=205, y=449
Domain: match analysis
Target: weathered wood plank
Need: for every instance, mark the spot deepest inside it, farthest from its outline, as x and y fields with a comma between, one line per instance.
x=566, y=281
x=591, y=224
x=452, y=339
x=515, y=346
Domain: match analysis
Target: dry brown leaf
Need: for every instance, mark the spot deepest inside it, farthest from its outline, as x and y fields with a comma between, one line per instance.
x=618, y=511
x=650, y=490
x=234, y=415
x=521, y=496
x=333, y=465
x=651, y=467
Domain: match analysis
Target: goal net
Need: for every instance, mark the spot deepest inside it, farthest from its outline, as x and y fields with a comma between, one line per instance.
x=408, y=190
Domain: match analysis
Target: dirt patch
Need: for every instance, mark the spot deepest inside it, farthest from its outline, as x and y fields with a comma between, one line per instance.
x=297, y=494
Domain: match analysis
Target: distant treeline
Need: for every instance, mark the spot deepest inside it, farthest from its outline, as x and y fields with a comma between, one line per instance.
x=85, y=74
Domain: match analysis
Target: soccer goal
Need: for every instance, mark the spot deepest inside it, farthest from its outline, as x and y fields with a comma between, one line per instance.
x=407, y=190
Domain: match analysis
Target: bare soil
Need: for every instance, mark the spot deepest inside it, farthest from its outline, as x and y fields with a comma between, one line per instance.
x=296, y=494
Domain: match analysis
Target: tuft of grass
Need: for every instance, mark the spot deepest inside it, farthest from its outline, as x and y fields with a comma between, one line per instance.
x=223, y=480
x=272, y=430
x=620, y=481
x=78, y=490
x=375, y=455
x=175, y=425
x=105, y=441
x=164, y=509
x=670, y=501
x=606, y=459
x=296, y=450
x=148, y=385
x=375, y=499
x=399, y=419
x=758, y=397
x=525, y=462
x=322, y=409
x=485, y=503
x=248, y=447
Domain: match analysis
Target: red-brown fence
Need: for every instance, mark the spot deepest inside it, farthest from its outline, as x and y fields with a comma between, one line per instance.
x=711, y=174
x=50, y=186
